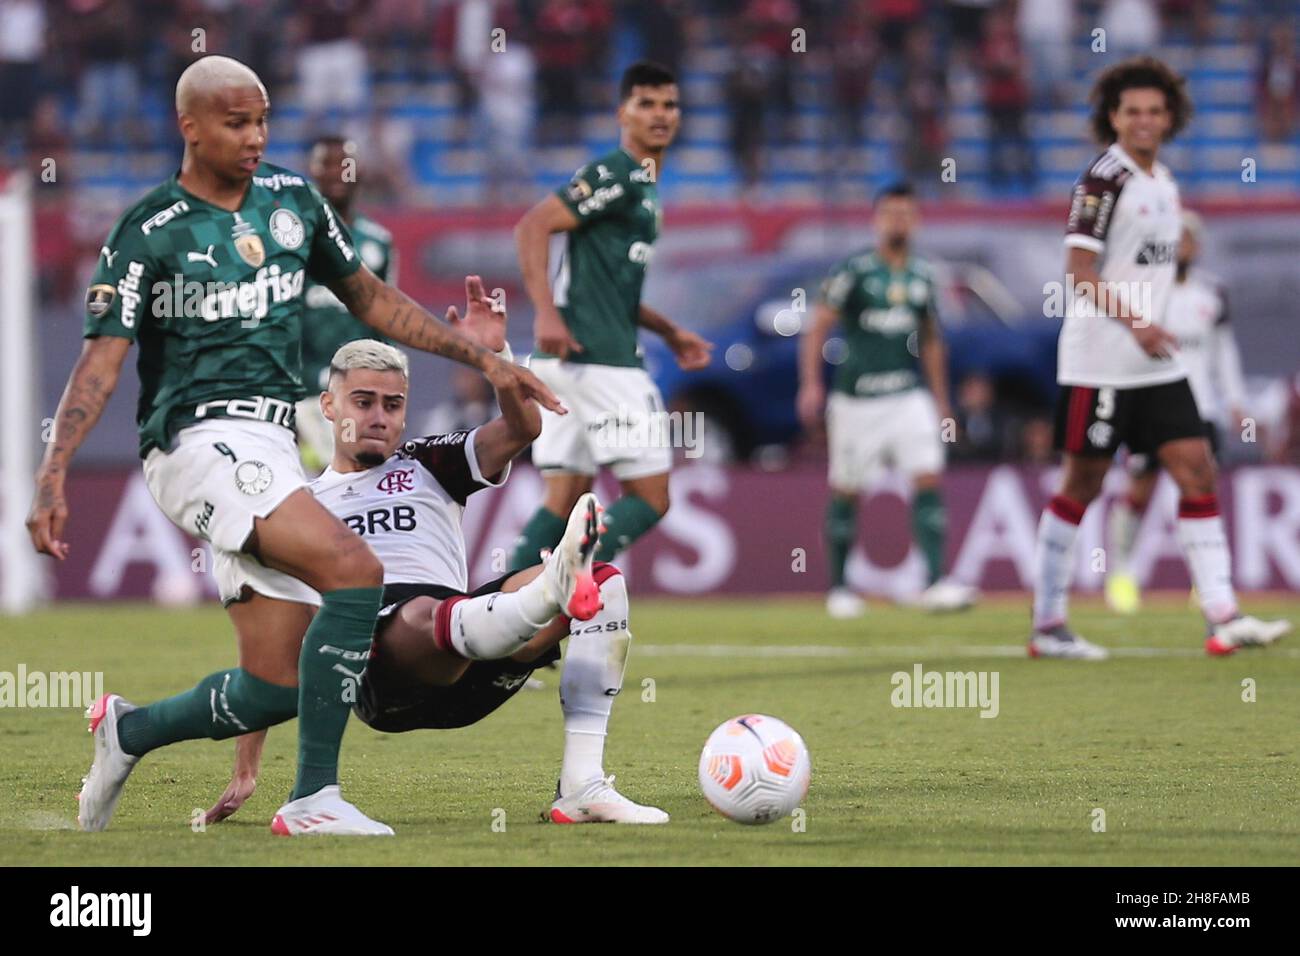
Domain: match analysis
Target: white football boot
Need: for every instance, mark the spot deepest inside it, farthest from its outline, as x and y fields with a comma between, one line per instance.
x=1244, y=631
x=1061, y=642
x=599, y=802
x=842, y=604
x=325, y=813
x=101, y=788
x=567, y=575
x=948, y=595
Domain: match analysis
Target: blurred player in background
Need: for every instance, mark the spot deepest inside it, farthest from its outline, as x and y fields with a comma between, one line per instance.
x=327, y=323
x=220, y=372
x=880, y=411
x=1123, y=380
x=1198, y=317
x=586, y=326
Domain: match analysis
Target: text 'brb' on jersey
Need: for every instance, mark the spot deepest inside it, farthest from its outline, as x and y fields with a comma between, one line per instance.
x=214, y=298
x=598, y=285
x=881, y=311
x=326, y=323
x=1132, y=220
x=409, y=508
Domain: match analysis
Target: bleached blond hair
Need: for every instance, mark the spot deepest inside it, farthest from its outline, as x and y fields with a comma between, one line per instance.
x=371, y=354
x=208, y=74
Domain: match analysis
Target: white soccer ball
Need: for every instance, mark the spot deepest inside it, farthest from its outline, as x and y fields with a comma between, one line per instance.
x=755, y=769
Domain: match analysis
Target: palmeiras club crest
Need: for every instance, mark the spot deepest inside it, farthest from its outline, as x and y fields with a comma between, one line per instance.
x=397, y=481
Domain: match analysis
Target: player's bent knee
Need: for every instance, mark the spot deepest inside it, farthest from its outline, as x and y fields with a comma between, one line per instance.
x=357, y=567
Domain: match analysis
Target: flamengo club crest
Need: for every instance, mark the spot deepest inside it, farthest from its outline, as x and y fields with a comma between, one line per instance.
x=397, y=481
x=247, y=242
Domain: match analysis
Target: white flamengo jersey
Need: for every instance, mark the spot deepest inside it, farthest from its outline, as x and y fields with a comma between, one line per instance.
x=1132, y=220
x=1198, y=316
x=409, y=508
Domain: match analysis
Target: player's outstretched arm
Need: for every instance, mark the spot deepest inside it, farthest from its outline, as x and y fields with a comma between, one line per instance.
x=533, y=243
x=89, y=386
x=693, y=352
x=1081, y=267
x=397, y=316
x=812, y=390
x=248, y=761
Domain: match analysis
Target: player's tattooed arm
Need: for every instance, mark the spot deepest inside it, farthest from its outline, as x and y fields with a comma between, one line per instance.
x=533, y=244
x=1081, y=267
x=812, y=389
x=397, y=316
x=89, y=387
x=692, y=351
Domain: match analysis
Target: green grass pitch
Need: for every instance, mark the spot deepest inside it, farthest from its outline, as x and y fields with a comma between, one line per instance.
x=1159, y=738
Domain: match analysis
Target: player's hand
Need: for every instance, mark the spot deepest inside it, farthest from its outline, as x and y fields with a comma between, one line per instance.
x=552, y=334
x=693, y=352
x=243, y=781
x=1155, y=341
x=48, y=514
x=809, y=403
x=508, y=377
x=485, y=317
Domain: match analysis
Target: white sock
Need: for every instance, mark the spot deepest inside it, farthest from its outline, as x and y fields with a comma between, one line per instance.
x=594, y=662
x=1121, y=530
x=1054, y=560
x=496, y=625
x=1205, y=546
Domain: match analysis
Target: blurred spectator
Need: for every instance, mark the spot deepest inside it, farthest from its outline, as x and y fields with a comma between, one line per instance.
x=570, y=40
x=22, y=44
x=1192, y=19
x=1006, y=97
x=48, y=144
x=854, y=51
x=924, y=97
x=765, y=28
x=105, y=38
x=470, y=405
x=746, y=101
x=333, y=72
x=1036, y=442
x=507, y=107
x=661, y=24
x=1132, y=27
x=1279, y=84
x=987, y=432
x=966, y=22
x=1045, y=31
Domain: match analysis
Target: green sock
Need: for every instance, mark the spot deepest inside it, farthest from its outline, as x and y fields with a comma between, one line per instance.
x=224, y=704
x=544, y=530
x=625, y=521
x=333, y=656
x=841, y=529
x=929, y=522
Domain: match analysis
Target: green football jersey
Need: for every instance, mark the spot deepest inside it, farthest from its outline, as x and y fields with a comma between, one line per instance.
x=214, y=299
x=327, y=324
x=598, y=286
x=881, y=312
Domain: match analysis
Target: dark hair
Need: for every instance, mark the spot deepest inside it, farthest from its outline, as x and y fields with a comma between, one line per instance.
x=644, y=73
x=894, y=190
x=1143, y=72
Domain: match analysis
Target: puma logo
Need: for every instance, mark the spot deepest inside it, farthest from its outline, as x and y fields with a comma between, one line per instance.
x=207, y=257
x=108, y=254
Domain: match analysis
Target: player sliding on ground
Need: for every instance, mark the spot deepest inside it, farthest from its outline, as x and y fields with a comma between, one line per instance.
x=880, y=411
x=1122, y=379
x=442, y=657
x=207, y=274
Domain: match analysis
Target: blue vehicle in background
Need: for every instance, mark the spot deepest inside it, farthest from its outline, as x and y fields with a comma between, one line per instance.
x=747, y=394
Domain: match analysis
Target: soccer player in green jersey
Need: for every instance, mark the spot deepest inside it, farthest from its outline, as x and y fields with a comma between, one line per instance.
x=207, y=273
x=586, y=326
x=327, y=324
x=879, y=411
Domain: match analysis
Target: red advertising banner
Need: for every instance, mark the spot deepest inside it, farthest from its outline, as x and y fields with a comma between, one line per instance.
x=736, y=531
